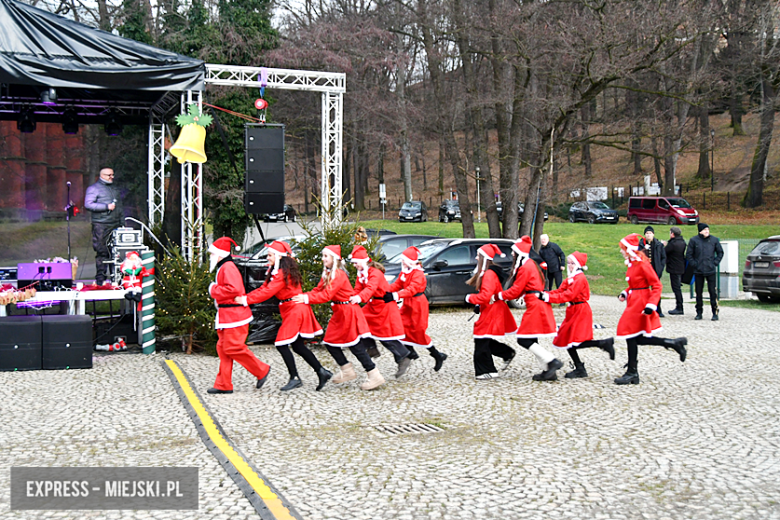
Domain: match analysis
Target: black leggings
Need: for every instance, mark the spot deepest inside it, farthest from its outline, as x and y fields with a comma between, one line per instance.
x=484, y=350
x=633, y=350
x=395, y=347
x=300, y=348
x=585, y=344
x=360, y=353
x=527, y=342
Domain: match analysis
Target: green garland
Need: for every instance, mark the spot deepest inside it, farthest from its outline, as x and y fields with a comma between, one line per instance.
x=194, y=116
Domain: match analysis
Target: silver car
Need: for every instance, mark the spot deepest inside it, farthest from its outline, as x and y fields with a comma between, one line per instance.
x=762, y=270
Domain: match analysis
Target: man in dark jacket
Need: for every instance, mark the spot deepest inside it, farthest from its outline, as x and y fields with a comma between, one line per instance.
x=553, y=256
x=675, y=265
x=706, y=253
x=103, y=200
x=657, y=254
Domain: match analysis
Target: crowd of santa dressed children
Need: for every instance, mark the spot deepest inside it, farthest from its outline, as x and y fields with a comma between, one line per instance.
x=396, y=314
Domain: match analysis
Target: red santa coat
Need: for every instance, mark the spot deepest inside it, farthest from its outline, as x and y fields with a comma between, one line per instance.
x=347, y=326
x=495, y=319
x=644, y=288
x=227, y=285
x=577, y=326
x=538, y=319
x=297, y=318
x=414, y=311
x=384, y=319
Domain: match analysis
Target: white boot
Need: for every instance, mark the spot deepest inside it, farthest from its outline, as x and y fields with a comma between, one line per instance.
x=347, y=373
x=541, y=354
x=374, y=380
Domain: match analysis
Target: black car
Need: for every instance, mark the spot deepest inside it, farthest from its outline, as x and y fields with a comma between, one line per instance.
x=449, y=211
x=520, y=211
x=593, y=212
x=288, y=215
x=762, y=270
x=389, y=246
x=448, y=263
x=379, y=232
x=413, y=210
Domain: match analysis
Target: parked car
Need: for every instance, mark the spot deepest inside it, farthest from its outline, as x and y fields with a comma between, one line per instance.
x=762, y=270
x=520, y=211
x=413, y=210
x=593, y=212
x=661, y=210
x=379, y=232
x=448, y=263
x=449, y=211
x=392, y=245
x=287, y=215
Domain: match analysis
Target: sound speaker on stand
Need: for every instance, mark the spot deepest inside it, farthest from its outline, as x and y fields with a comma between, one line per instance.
x=264, y=180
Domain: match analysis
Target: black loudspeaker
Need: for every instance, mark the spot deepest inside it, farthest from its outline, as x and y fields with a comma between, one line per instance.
x=20, y=343
x=264, y=179
x=67, y=342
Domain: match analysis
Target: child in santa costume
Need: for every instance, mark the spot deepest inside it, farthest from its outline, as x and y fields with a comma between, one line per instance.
x=380, y=311
x=640, y=320
x=283, y=280
x=538, y=319
x=232, y=322
x=576, y=331
x=495, y=319
x=133, y=271
x=347, y=326
x=410, y=287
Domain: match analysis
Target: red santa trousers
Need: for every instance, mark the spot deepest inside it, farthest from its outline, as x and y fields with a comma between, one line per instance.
x=231, y=347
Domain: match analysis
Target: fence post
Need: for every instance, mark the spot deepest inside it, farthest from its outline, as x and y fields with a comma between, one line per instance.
x=728, y=201
x=703, y=201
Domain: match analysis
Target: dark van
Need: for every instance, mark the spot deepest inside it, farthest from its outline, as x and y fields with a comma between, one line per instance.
x=661, y=210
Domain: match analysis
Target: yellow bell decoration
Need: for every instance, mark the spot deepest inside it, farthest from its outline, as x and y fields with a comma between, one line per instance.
x=189, y=147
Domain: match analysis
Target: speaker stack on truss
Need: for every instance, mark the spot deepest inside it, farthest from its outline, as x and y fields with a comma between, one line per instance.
x=264, y=180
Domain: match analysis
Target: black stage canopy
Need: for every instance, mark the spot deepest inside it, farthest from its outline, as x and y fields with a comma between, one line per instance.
x=93, y=72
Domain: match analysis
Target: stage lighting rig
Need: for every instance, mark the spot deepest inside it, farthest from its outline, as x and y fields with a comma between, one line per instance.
x=26, y=122
x=49, y=97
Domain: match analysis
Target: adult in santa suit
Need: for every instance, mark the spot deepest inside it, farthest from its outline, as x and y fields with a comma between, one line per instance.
x=495, y=319
x=410, y=287
x=232, y=322
x=576, y=331
x=538, y=319
x=347, y=327
x=380, y=310
x=283, y=280
x=640, y=320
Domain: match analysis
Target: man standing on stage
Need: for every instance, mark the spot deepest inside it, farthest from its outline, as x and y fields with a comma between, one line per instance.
x=232, y=321
x=103, y=200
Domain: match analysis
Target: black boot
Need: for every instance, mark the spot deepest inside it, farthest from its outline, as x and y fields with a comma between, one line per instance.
x=412, y=353
x=293, y=383
x=608, y=346
x=324, y=374
x=578, y=372
x=678, y=345
x=677, y=311
x=373, y=351
x=439, y=357
x=550, y=373
x=631, y=377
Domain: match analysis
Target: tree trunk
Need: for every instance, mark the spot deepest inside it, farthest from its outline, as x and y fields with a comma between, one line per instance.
x=657, y=162
x=441, y=168
x=406, y=160
x=705, y=142
x=380, y=164
x=736, y=110
x=754, y=197
x=586, y=160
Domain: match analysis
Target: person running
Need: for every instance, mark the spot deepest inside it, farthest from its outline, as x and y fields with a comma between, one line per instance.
x=347, y=327
x=232, y=321
x=495, y=319
x=576, y=330
x=380, y=311
x=538, y=319
x=410, y=287
x=283, y=280
x=640, y=320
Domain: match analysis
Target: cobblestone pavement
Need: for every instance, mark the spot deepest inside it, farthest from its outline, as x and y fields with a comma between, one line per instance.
x=699, y=439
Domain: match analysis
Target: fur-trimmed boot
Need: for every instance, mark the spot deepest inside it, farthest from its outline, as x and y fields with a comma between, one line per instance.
x=375, y=380
x=347, y=373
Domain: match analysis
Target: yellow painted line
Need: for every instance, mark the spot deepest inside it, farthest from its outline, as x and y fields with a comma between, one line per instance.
x=270, y=498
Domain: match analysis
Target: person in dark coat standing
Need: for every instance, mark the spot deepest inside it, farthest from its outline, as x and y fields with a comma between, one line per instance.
x=553, y=256
x=103, y=200
x=675, y=266
x=655, y=251
x=706, y=253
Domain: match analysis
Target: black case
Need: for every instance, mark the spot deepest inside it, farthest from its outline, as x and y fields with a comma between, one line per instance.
x=67, y=342
x=20, y=343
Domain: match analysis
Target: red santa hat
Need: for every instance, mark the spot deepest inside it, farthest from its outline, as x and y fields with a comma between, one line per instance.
x=132, y=254
x=523, y=249
x=334, y=251
x=359, y=255
x=630, y=244
x=281, y=248
x=490, y=251
x=221, y=247
x=579, y=259
x=412, y=254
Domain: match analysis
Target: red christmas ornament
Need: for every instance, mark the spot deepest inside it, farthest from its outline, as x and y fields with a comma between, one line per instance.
x=261, y=104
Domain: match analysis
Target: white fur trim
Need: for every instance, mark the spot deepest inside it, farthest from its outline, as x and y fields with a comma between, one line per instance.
x=652, y=306
x=494, y=336
x=331, y=253
x=351, y=343
x=429, y=345
x=640, y=333
x=219, y=252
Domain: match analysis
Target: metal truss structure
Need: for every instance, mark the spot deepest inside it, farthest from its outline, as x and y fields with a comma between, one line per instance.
x=331, y=85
